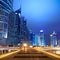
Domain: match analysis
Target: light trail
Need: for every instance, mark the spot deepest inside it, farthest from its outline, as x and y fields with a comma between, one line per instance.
x=48, y=53
x=8, y=54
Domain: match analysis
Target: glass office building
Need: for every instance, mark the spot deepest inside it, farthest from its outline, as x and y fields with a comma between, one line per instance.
x=13, y=29
x=42, y=40
x=6, y=6
x=53, y=39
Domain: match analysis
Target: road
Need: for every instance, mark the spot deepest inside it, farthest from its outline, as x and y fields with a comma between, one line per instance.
x=29, y=54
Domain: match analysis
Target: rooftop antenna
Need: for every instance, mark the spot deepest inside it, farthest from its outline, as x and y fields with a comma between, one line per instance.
x=20, y=5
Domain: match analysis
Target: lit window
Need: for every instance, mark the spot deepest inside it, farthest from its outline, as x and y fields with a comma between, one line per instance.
x=16, y=13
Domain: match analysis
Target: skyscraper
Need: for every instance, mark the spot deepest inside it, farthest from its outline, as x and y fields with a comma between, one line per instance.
x=39, y=44
x=24, y=32
x=59, y=42
x=5, y=9
x=53, y=39
x=6, y=5
x=42, y=40
x=35, y=40
x=14, y=28
x=17, y=29
x=32, y=38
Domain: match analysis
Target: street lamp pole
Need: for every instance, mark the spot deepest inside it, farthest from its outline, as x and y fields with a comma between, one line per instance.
x=24, y=47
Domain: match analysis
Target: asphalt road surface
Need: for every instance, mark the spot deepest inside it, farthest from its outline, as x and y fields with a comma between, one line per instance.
x=29, y=54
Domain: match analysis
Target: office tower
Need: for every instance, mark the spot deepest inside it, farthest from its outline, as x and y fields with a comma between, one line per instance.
x=6, y=6
x=32, y=38
x=35, y=41
x=38, y=41
x=14, y=28
x=17, y=29
x=5, y=9
x=53, y=39
x=24, y=32
x=42, y=40
x=58, y=42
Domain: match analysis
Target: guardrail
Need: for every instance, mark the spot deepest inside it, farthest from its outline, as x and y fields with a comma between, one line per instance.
x=8, y=54
x=51, y=55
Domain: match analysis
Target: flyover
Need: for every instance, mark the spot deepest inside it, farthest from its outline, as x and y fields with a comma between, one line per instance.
x=39, y=49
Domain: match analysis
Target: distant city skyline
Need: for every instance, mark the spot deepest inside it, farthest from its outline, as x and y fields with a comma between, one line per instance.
x=41, y=14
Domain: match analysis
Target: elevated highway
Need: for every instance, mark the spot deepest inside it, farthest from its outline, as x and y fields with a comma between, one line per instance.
x=36, y=53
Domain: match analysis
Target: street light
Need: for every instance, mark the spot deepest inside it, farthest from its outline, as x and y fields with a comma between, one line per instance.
x=24, y=46
x=31, y=46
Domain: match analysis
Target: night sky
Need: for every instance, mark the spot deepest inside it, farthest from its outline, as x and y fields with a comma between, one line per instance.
x=40, y=14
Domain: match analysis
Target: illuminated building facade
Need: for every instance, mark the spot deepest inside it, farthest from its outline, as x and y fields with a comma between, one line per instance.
x=53, y=39
x=35, y=43
x=5, y=9
x=39, y=44
x=42, y=40
x=32, y=38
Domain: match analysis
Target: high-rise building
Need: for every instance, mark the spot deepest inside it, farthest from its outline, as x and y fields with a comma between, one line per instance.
x=59, y=42
x=32, y=38
x=5, y=9
x=24, y=32
x=39, y=44
x=35, y=40
x=42, y=40
x=18, y=32
x=53, y=39
x=6, y=5
x=14, y=28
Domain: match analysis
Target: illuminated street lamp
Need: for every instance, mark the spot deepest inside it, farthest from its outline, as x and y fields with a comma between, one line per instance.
x=24, y=46
x=31, y=46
